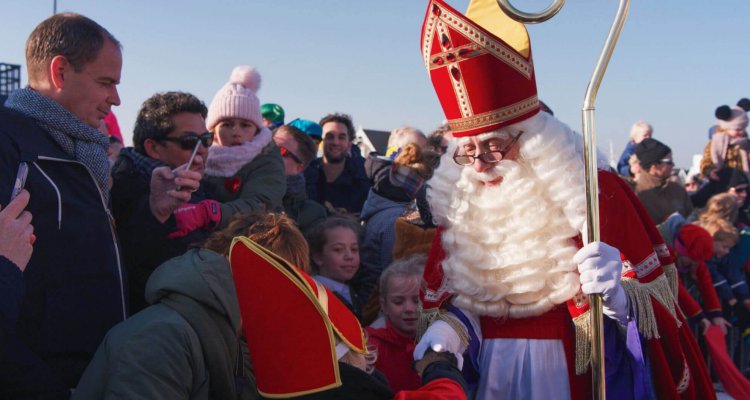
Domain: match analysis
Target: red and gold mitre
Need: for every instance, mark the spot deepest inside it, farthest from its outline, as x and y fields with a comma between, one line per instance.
x=483, y=82
x=291, y=322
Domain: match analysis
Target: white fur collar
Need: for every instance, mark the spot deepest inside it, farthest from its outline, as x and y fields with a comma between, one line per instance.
x=227, y=161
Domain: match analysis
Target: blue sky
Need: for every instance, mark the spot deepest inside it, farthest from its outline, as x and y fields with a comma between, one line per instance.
x=673, y=66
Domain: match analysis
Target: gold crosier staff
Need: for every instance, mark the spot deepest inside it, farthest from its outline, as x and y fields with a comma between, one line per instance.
x=589, y=145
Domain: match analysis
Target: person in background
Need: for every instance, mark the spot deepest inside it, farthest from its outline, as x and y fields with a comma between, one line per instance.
x=659, y=195
x=399, y=303
x=396, y=186
x=730, y=180
x=244, y=169
x=693, y=247
x=338, y=178
x=729, y=145
x=729, y=279
x=334, y=252
x=402, y=136
x=311, y=128
x=438, y=139
x=115, y=142
x=75, y=280
x=298, y=150
x=113, y=127
x=639, y=131
x=273, y=115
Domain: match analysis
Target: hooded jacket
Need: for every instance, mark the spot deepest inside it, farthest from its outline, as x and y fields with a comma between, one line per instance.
x=395, y=357
x=174, y=348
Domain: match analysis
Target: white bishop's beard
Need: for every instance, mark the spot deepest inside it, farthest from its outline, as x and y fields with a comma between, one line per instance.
x=509, y=248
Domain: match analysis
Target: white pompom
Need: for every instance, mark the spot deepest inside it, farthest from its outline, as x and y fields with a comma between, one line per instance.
x=246, y=76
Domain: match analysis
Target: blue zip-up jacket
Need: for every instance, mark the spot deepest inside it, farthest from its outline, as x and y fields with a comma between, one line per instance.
x=74, y=281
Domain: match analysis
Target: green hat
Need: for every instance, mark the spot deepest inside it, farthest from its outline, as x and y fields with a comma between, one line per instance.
x=273, y=113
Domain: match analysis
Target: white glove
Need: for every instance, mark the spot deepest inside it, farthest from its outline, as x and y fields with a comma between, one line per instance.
x=440, y=336
x=600, y=271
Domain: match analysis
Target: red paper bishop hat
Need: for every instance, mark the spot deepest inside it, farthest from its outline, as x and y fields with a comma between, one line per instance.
x=483, y=82
x=291, y=323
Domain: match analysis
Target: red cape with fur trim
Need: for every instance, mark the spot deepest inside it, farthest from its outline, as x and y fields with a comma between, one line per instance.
x=677, y=367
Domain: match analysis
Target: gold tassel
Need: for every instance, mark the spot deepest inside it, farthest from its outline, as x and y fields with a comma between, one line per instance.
x=640, y=294
x=582, y=324
x=670, y=271
x=457, y=326
x=426, y=318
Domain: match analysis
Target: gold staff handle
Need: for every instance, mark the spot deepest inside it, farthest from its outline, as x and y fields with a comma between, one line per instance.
x=590, y=160
x=531, y=18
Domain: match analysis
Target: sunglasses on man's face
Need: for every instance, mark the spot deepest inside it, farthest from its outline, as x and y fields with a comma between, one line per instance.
x=190, y=139
x=666, y=161
x=285, y=152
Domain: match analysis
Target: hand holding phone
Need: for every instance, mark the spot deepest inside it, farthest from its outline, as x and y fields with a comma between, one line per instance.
x=190, y=160
x=23, y=172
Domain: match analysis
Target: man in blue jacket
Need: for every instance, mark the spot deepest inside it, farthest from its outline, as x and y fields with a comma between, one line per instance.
x=339, y=176
x=74, y=281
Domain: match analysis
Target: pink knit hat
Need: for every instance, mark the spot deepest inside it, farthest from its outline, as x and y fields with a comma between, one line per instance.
x=734, y=117
x=237, y=99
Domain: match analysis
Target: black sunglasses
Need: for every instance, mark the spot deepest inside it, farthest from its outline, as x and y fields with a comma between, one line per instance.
x=190, y=139
x=285, y=152
x=490, y=157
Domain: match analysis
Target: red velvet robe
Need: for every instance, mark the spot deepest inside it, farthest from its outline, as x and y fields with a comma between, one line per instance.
x=677, y=367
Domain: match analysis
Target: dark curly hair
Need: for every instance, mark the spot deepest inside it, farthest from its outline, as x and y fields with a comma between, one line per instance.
x=154, y=119
x=342, y=119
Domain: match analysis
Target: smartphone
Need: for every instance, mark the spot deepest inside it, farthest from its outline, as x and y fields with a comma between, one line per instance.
x=190, y=160
x=23, y=172
x=192, y=156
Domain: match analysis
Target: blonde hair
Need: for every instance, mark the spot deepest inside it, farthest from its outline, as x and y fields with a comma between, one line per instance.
x=640, y=127
x=721, y=206
x=723, y=231
x=402, y=136
x=412, y=266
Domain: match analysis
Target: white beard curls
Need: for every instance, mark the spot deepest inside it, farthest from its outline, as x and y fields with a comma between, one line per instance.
x=509, y=248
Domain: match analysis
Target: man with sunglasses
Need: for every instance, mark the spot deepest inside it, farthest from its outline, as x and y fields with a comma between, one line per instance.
x=298, y=150
x=660, y=196
x=169, y=128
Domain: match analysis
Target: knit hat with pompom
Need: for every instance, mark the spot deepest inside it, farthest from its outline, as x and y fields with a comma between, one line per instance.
x=734, y=117
x=237, y=99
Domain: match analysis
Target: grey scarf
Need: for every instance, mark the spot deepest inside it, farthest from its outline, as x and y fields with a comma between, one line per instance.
x=82, y=142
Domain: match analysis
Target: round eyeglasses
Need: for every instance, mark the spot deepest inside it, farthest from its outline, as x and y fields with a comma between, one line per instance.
x=489, y=157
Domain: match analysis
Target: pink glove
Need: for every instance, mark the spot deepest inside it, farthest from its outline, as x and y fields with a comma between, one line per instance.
x=205, y=214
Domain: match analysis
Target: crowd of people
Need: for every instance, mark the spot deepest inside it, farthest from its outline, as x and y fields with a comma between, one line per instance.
x=229, y=254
